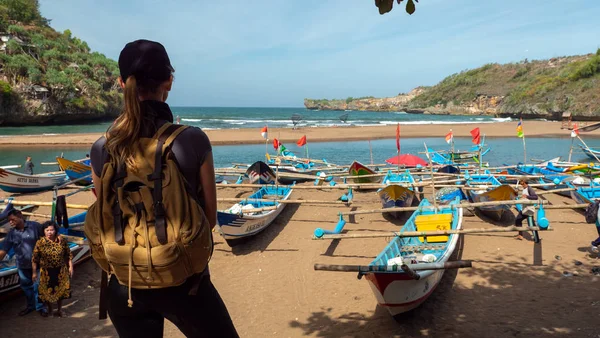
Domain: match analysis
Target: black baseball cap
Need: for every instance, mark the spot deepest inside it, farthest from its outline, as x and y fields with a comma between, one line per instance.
x=145, y=59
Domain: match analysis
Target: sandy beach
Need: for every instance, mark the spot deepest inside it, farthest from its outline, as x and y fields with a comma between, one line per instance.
x=323, y=134
x=515, y=288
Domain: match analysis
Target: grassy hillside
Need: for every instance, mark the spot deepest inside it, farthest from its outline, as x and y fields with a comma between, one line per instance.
x=48, y=76
x=537, y=87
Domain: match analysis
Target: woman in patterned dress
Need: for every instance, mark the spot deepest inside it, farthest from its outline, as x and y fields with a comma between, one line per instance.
x=55, y=262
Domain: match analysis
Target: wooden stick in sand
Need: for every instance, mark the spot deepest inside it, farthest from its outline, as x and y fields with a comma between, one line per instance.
x=384, y=268
x=282, y=201
x=431, y=233
x=461, y=205
x=43, y=204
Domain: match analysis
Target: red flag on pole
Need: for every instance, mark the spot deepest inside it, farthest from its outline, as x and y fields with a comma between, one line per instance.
x=275, y=144
x=398, y=137
x=302, y=141
x=476, y=136
x=264, y=132
x=575, y=131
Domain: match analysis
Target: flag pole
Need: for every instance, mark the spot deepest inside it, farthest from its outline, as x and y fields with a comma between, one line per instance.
x=524, y=150
x=451, y=143
x=571, y=149
x=371, y=152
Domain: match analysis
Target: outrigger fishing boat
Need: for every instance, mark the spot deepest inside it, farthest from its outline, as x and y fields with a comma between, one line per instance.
x=76, y=170
x=260, y=173
x=591, y=153
x=14, y=182
x=399, y=291
x=359, y=169
x=557, y=180
x=249, y=217
x=398, y=193
x=585, y=195
x=485, y=187
x=458, y=157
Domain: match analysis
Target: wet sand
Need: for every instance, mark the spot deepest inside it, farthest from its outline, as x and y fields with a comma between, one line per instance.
x=515, y=288
x=323, y=134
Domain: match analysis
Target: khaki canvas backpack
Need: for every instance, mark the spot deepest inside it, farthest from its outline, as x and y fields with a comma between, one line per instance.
x=145, y=227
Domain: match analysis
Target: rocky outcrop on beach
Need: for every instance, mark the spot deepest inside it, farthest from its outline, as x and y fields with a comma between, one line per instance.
x=396, y=103
x=528, y=89
x=50, y=77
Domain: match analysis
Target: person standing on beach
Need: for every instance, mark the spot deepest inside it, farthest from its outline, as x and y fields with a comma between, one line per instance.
x=28, y=166
x=22, y=239
x=53, y=261
x=526, y=211
x=195, y=306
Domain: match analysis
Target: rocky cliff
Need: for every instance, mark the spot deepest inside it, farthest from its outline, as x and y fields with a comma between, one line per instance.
x=528, y=89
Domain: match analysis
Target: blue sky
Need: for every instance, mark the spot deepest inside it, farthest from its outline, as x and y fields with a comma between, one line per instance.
x=269, y=53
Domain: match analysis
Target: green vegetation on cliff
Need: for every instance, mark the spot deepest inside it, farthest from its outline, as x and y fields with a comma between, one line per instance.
x=46, y=75
x=545, y=87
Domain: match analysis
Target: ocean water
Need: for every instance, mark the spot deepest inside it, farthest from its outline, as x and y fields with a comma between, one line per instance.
x=230, y=118
x=503, y=151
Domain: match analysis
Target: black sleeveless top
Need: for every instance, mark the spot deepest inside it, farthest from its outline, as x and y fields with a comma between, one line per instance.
x=190, y=147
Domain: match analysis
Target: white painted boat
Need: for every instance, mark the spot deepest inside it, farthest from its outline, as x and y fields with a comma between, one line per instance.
x=396, y=290
x=14, y=182
x=238, y=222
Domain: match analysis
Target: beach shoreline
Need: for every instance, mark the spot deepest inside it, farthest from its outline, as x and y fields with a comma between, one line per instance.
x=321, y=134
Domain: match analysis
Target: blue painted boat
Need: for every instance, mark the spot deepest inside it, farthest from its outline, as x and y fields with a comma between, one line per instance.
x=590, y=152
x=396, y=290
x=489, y=189
x=239, y=222
x=558, y=180
x=587, y=194
x=458, y=157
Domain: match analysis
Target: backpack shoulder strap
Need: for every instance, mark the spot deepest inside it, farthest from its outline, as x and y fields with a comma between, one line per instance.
x=165, y=135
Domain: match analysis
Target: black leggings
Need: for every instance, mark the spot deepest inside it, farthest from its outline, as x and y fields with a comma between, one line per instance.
x=200, y=315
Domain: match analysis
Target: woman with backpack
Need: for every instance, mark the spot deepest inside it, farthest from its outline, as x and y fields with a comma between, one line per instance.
x=156, y=208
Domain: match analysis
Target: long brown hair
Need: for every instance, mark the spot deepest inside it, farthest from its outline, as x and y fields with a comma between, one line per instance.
x=125, y=131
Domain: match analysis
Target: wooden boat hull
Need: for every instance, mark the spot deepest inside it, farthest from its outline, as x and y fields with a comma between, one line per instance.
x=358, y=169
x=395, y=290
x=260, y=173
x=75, y=170
x=400, y=293
x=499, y=193
x=396, y=196
x=234, y=226
x=14, y=182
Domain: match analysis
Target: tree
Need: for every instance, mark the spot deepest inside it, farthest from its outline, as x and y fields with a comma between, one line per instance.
x=25, y=11
x=386, y=5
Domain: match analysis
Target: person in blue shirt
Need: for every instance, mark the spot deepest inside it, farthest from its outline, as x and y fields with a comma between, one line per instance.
x=22, y=239
x=596, y=243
